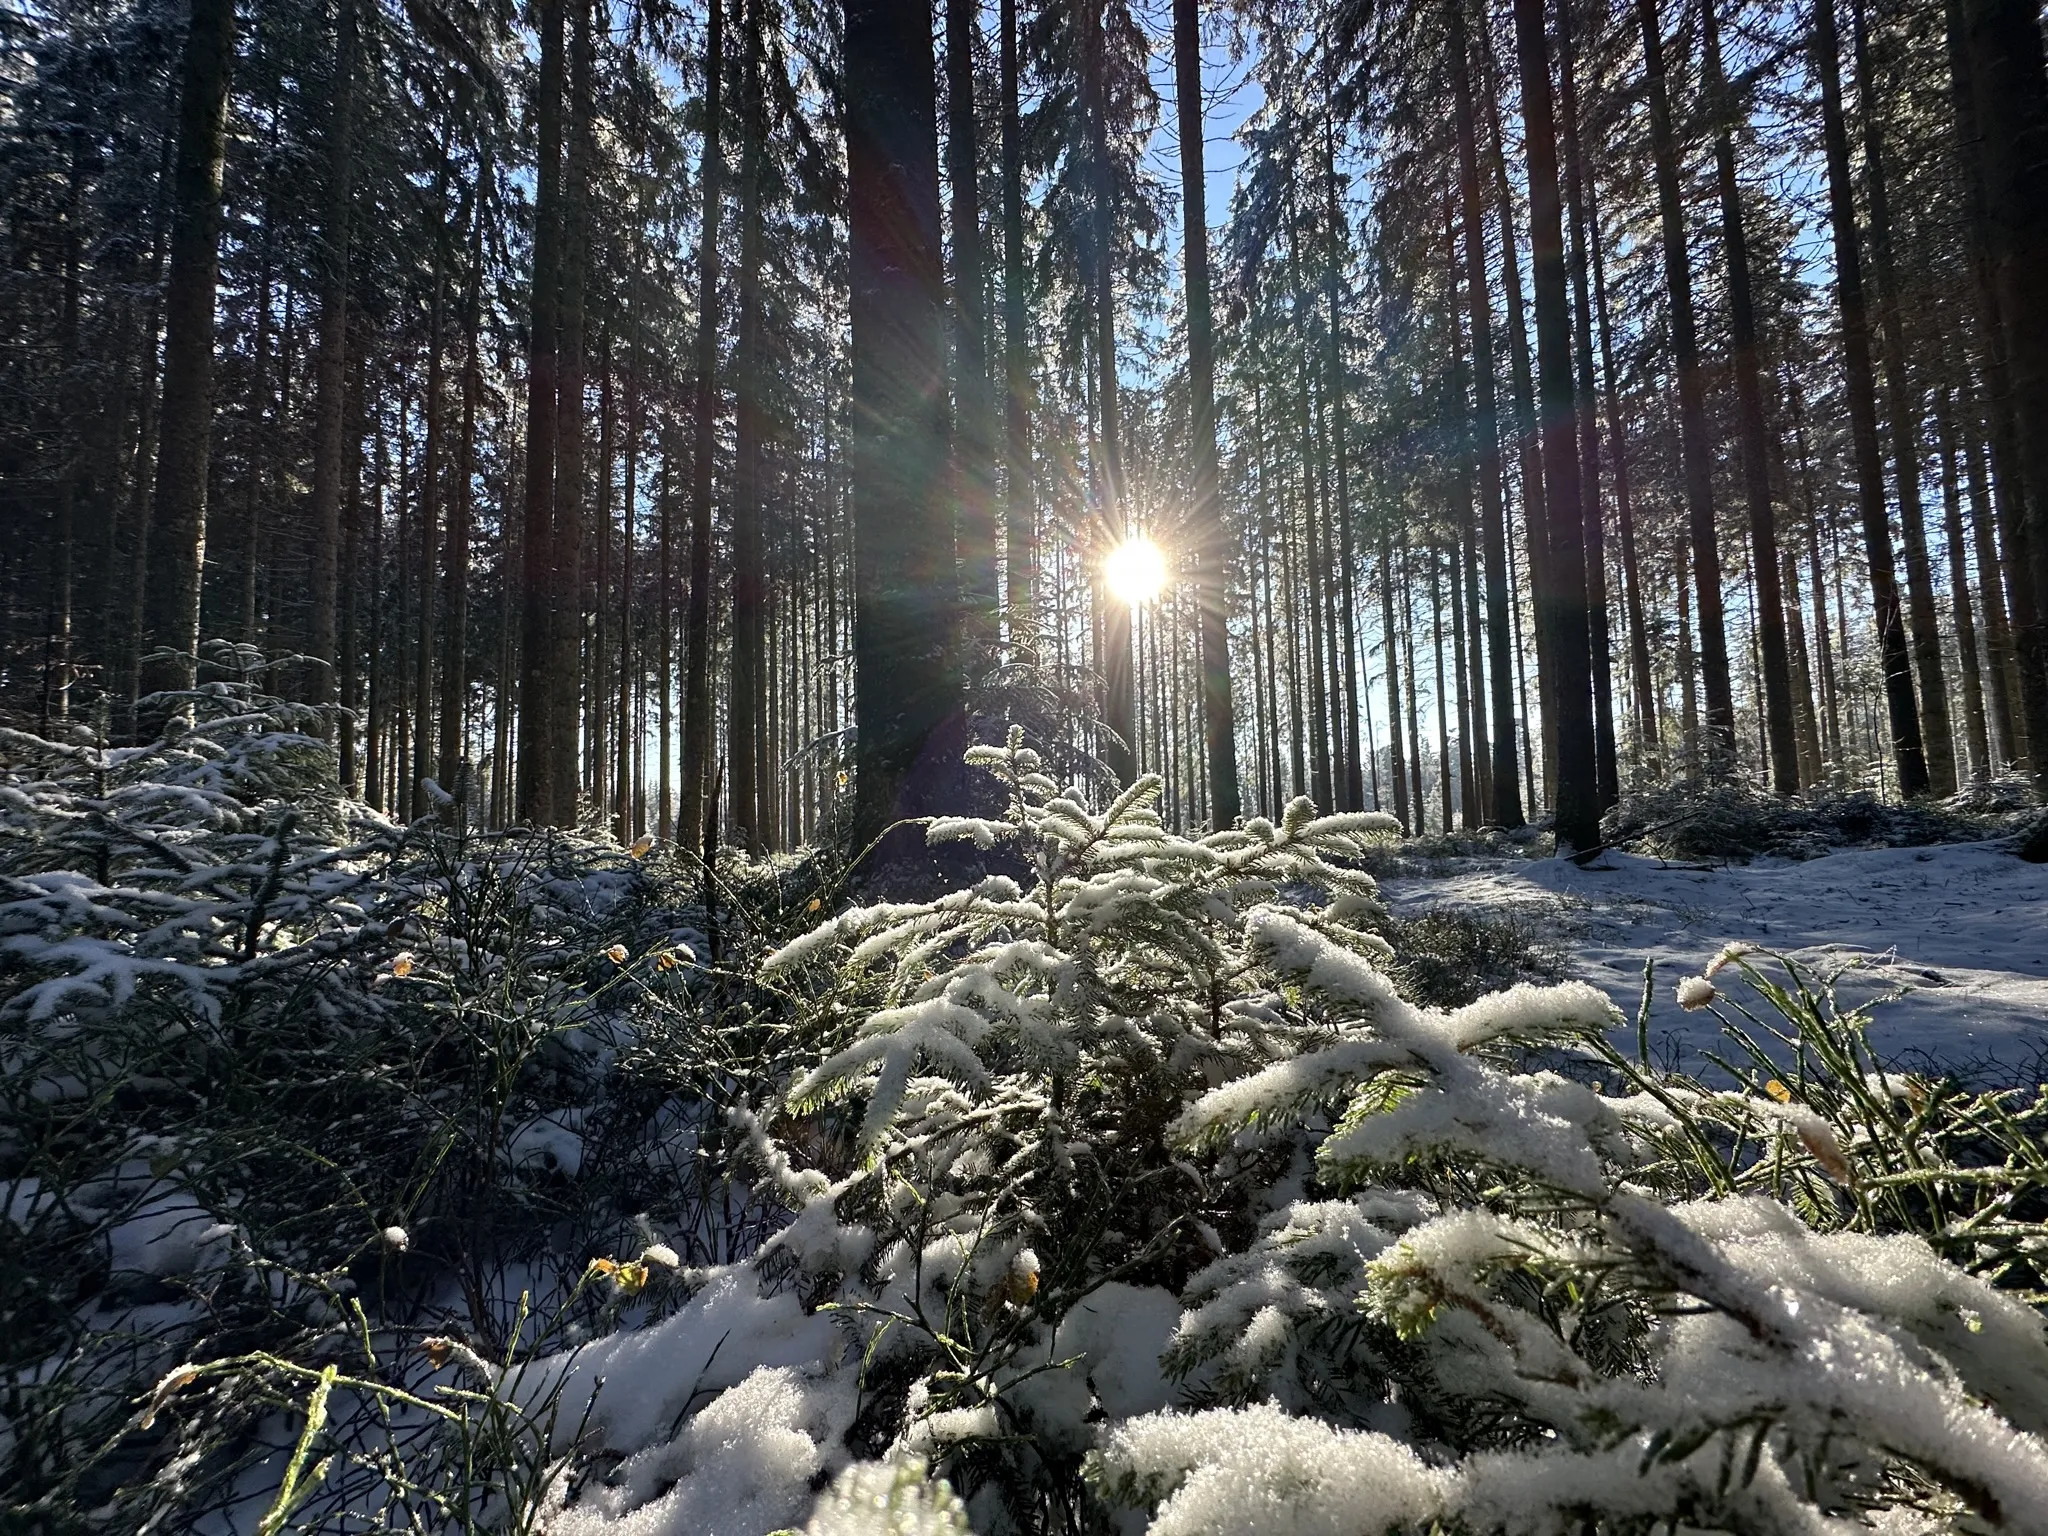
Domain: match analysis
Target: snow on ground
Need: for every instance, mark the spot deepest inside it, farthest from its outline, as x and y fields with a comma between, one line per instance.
x=1960, y=929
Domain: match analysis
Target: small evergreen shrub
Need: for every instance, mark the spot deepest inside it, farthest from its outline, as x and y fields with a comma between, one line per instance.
x=1738, y=820
x=1448, y=956
x=285, y=1086
x=1140, y=1187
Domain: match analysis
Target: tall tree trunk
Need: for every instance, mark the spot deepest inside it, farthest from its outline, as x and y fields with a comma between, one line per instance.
x=1020, y=554
x=1830, y=703
x=664, y=638
x=1212, y=581
x=749, y=597
x=1119, y=705
x=1976, y=725
x=257, y=418
x=379, y=701
x=1388, y=633
x=1444, y=775
x=125, y=618
x=974, y=428
x=1468, y=782
x=461, y=506
x=331, y=367
x=57, y=633
x=1564, y=573
x=625, y=801
x=2009, y=92
x=1624, y=508
x=352, y=581
x=1999, y=436
x=425, y=554
x=697, y=722
x=565, y=661
x=1346, y=595
x=1607, y=767
x=1506, y=806
x=1695, y=451
x=1415, y=786
x=537, y=724
x=1688, y=673
x=177, y=538
x=1315, y=562
x=1903, y=408
x=1998, y=657
x=1528, y=444
x=1475, y=642
x=135, y=629
x=621, y=704
x=903, y=575
x=1901, y=709
x=1779, y=727
x=1805, y=718
x=595, y=597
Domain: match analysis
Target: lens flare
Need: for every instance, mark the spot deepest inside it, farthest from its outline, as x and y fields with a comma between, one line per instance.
x=1135, y=571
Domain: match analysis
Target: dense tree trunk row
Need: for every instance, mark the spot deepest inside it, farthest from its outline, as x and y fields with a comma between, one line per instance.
x=727, y=483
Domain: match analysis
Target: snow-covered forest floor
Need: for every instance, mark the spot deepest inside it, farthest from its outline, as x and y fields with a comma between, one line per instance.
x=1959, y=932
x=1288, y=1179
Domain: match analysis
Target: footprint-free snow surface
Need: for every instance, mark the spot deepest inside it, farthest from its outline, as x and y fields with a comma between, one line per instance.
x=1960, y=930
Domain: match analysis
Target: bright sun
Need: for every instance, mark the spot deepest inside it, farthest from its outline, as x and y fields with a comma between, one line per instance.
x=1135, y=571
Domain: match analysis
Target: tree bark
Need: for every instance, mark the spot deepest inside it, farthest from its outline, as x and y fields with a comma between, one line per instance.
x=537, y=723
x=1578, y=187
x=1506, y=806
x=697, y=722
x=1212, y=582
x=1528, y=448
x=331, y=366
x=978, y=539
x=747, y=682
x=1998, y=657
x=1119, y=711
x=424, y=556
x=1388, y=635
x=2009, y=92
x=1345, y=634
x=1020, y=554
x=1564, y=573
x=1805, y=717
x=906, y=688
x=1903, y=408
x=1901, y=709
x=1975, y=722
x=177, y=538
x=1624, y=508
x=461, y=506
x=1779, y=726
x=565, y=660
x=1695, y=454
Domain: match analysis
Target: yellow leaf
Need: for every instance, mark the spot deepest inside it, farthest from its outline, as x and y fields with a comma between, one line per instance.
x=1778, y=1091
